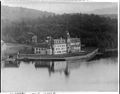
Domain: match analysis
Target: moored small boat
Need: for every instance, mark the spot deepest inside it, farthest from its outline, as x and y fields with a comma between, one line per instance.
x=11, y=64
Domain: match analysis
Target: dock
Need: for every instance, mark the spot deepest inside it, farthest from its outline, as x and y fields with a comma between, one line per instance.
x=40, y=57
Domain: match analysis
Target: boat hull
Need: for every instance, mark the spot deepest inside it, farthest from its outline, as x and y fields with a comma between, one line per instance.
x=83, y=57
x=67, y=57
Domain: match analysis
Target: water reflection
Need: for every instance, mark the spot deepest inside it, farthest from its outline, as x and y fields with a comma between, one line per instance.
x=51, y=75
x=9, y=64
x=53, y=66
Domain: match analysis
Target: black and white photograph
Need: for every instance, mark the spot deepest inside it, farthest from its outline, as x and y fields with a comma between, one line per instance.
x=59, y=46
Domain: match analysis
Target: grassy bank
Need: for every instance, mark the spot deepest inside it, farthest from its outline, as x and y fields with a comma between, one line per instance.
x=11, y=49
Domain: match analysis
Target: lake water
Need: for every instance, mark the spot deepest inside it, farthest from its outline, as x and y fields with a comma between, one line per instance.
x=96, y=75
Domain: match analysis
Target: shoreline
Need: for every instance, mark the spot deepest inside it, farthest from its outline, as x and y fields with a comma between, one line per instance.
x=107, y=54
x=12, y=49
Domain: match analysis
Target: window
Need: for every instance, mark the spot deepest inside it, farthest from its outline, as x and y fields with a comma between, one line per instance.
x=57, y=48
x=58, y=51
x=37, y=51
x=56, y=41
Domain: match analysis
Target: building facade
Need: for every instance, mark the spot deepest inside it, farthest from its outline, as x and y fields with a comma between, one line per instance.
x=59, y=46
x=42, y=49
x=75, y=45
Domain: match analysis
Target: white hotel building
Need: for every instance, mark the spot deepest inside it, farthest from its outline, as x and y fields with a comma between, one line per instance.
x=60, y=46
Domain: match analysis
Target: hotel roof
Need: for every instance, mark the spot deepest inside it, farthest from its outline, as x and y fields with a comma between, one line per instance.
x=59, y=41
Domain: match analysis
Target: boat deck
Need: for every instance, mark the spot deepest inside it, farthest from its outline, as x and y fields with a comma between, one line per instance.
x=53, y=57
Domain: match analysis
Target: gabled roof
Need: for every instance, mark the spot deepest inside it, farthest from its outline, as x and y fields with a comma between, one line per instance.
x=59, y=41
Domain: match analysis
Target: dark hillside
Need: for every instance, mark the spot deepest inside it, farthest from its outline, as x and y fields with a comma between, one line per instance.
x=94, y=30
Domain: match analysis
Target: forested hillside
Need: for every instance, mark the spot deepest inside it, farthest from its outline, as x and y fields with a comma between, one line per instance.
x=20, y=13
x=94, y=30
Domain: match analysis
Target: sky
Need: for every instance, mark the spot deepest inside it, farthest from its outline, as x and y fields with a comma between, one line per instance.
x=59, y=7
